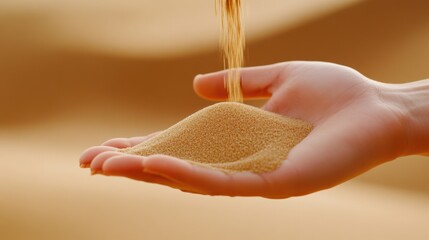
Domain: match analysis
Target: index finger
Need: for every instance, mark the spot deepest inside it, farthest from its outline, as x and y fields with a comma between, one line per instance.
x=128, y=142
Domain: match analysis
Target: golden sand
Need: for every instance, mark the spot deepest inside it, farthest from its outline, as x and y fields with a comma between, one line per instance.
x=232, y=42
x=230, y=137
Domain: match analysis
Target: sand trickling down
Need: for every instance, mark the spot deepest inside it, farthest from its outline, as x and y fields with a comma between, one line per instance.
x=232, y=43
x=230, y=137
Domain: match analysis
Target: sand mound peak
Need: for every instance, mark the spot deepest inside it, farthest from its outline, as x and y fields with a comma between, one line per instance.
x=229, y=137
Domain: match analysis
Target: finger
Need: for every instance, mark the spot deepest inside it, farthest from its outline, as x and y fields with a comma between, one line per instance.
x=131, y=166
x=128, y=142
x=98, y=161
x=89, y=154
x=257, y=82
x=204, y=180
x=117, y=142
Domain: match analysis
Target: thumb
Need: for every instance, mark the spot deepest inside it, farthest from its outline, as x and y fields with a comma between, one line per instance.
x=256, y=82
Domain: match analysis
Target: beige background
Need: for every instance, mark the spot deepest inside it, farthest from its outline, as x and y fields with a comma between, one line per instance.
x=75, y=73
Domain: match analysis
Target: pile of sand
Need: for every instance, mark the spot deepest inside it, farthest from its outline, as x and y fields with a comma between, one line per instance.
x=230, y=137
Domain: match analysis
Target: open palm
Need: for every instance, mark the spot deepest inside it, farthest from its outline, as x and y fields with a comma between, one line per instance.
x=355, y=129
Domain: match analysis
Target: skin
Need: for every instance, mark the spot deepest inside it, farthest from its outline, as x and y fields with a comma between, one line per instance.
x=358, y=124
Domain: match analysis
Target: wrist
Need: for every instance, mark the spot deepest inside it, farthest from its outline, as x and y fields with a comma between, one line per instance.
x=411, y=104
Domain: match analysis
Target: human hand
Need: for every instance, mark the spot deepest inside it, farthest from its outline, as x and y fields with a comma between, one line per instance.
x=356, y=127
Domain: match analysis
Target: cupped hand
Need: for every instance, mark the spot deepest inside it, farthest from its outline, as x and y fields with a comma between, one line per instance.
x=356, y=127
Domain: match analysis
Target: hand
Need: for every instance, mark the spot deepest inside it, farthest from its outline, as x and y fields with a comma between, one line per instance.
x=356, y=127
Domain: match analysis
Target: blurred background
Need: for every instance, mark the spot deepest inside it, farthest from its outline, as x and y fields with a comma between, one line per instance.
x=75, y=73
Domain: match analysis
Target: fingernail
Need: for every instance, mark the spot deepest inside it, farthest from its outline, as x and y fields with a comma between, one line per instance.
x=94, y=172
x=84, y=165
